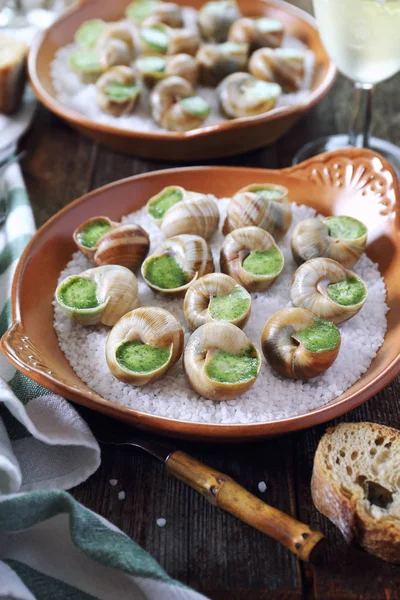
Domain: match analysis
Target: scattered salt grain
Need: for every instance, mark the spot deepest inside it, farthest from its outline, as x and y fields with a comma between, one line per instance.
x=262, y=486
x=121, y=495
x=113, y=482
x=161, y=522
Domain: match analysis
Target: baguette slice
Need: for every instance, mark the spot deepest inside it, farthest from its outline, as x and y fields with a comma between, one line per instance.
x=12, y=72
x=356, y=484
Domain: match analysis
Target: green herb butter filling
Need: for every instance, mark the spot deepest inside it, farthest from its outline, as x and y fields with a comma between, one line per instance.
x=79, y=292
x=141, y=9
x=268, y=193
x=90, y=235
x=322, y=335
x=142, y=358
x=263, y=262
x=347, y=292
x=231, y=306
x=226, y=367
x=89, y=32
x=155, y=39
x=196, y=106
x=159, y=206
x=121, y=92
x=345, y=228
x=151, y=64
x=165, y=273
x=86, y=61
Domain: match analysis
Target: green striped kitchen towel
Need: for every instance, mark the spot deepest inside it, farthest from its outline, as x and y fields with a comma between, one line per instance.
x=51, y=547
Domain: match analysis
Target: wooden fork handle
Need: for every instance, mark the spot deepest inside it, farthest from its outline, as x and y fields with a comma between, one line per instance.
x=222, y=491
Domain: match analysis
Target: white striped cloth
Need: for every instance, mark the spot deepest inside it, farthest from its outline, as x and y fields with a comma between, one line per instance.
x=51, y=547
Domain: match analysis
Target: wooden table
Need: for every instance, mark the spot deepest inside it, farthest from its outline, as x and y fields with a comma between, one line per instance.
x=200, y=545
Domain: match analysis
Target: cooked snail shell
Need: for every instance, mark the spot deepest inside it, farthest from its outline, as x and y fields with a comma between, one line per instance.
x=215, y=19
x=220, y=361
x=143, y=345
x=216, y=297
x=168, y=13
x=340, y=238
x=105, y=242
x=216, y=61
x=88, y=34
x=298, y=345
x=282, y=65
x=90, y=63
x=257, y=32
x=117, y=91
x=175, y=106
x=242, y=95
x=177, y=211
x=328, y=290
x=178, y=262
x=265, y=205
x=119, y=31
x=152, y=68
x=161, y=39
x=251, y=256
x=100, y=295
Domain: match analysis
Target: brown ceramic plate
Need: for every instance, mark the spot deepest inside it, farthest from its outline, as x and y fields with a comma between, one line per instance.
x=353, y=182
x=232, y=137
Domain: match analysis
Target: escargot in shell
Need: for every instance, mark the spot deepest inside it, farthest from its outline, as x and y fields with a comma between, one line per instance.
x=153, y=68
x=161, y=39
x=105, y=242
x=282, y=65
x=177, y=211
x=298, y=345
x=216, y=297
x=143, y=345
x=178, y=262
x=150, y=12
x=328, y=290
x=90, y=63
x=258, y=32
x=117, y=91
x=175, y=105
x=251, y=256
x=119, y=31
x=242, y=95
x=341, y=238
x=88, y=34
x=265, y=205
x=100, y=295
x=216, y=61
x=220, y=362
x=215, y=19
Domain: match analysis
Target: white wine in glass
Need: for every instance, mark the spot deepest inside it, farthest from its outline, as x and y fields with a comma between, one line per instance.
x=362, y=37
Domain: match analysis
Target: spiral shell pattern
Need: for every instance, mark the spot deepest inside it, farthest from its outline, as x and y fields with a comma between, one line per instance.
x=242, y=95
x=216, y=61
x=237, y=246
x=256, y=33
x=249, y=207
x=149, y=325
x=286, y=354
x=117, y=75
x=168, y=13
x=285, y=66
x=166, y=108
x=309, y=289
x=199, y=350
x=215, y=19
x=196, y=305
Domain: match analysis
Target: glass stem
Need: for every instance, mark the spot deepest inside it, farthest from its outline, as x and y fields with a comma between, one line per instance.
x=360, y=124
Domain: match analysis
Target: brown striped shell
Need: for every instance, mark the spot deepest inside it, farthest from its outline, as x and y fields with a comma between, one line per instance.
x=180, y=65
x=202, y=344
x=179, y=40
x=252, y=206
x=123, y=244
x=257, y=32
x=237, y=246
x=216, y=61
x=193, y=255
x=242, y=95
x=168, y=13
x=215, y=18
x=282, y=65
x=196, y=305
x=121, y=31
x=309, y=289
x=149, y=325
x=117, y=75
x=286, y=353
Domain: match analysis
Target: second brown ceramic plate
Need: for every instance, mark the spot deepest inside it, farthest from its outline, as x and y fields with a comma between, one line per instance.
x=353, y=182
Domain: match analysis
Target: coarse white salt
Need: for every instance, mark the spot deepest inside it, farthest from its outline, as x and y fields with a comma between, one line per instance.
x=262, y=486
x=161, y=522
x=272, y=397
x=121, y=495
x=113, y=482
x=81, y=97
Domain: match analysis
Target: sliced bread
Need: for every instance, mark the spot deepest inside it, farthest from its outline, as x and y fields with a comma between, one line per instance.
x=356, y=484
x=12, y=72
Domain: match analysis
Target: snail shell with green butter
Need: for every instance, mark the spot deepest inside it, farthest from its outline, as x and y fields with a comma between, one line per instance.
x=220, y=362
x=285, y=66
x=242, y=95
x=105, y=242
x=153, y=68
x=328, y=290
x=251, y=256
x=178, y=262
x=298, y=345
x=340, y=238
x=161, y=39
x=215, y=19
x=89, y=32
x=117, y=91
x=100, y=295
x=264, y=205
x=258, y=32
x=177, y=211
x=175, y=105
x=119, y=31
x=143, y=345
x=91, y=63
x=216, y=297
x=216, y=61
x=150, y=12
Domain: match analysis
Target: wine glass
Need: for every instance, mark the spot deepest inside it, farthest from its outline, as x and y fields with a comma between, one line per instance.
x=362, y=37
